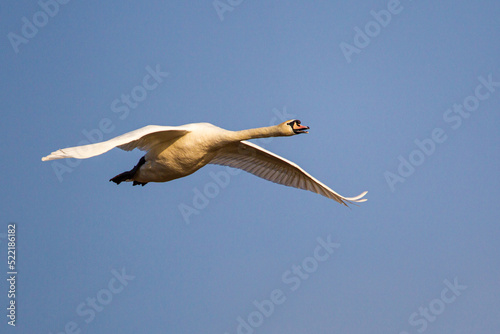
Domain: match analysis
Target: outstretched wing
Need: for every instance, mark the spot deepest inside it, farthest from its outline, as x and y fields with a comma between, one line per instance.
x=267, y=165
x=143, y=139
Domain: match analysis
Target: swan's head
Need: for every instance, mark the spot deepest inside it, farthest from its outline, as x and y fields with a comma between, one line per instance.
x=294, y=127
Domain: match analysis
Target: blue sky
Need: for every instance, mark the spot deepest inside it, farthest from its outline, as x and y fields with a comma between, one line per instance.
x=402, y=99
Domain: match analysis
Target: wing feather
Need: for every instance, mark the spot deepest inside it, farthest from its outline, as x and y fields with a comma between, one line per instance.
x=144, y=139
x=267, y=165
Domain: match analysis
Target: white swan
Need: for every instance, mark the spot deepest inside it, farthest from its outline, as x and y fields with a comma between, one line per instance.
x=177, y=151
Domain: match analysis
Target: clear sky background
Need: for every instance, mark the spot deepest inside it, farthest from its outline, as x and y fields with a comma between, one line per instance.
x=421, y=255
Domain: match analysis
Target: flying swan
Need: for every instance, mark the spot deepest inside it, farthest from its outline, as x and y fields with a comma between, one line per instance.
x=177, y=151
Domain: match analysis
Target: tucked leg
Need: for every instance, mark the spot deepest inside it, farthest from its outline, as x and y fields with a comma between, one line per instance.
x=129, y=175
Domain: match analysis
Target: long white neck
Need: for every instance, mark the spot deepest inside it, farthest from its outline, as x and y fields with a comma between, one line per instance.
x=265, y=132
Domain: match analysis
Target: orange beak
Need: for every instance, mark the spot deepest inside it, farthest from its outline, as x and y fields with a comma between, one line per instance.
x=298, y=128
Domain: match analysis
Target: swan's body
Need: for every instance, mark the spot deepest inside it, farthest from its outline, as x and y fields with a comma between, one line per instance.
x=177, y=151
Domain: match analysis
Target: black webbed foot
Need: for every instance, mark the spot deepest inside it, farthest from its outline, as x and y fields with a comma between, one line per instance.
x=130, y=174
x=123, y=177
x=139, y=183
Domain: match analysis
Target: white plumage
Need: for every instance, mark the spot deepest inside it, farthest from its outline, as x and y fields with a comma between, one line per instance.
x=143, y=139
x=177, y=151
